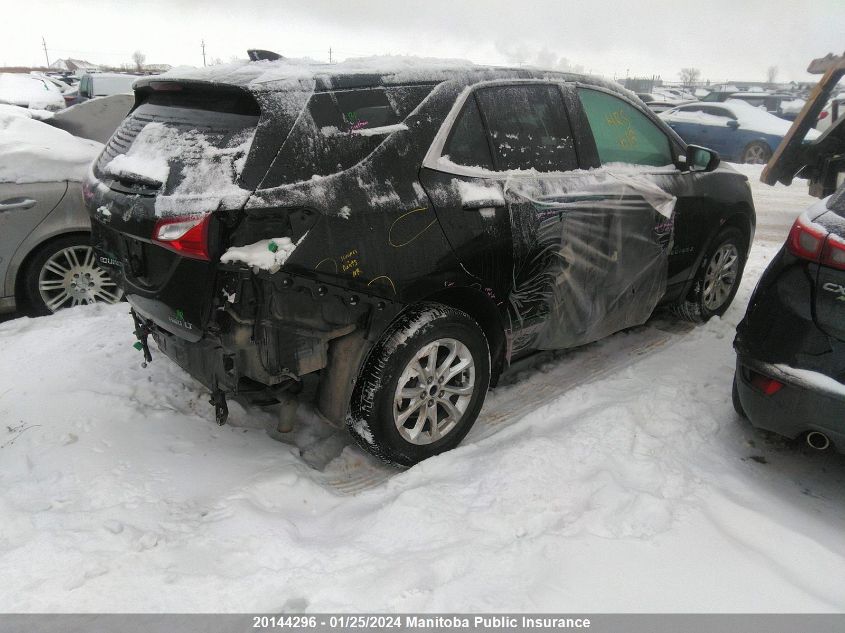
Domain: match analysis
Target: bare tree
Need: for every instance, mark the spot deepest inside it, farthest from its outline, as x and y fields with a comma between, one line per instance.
x=772, y=74
x=139, y=58
x=689, y=75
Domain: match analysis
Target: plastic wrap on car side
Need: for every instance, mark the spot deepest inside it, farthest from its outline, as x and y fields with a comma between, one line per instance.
x=590, y=255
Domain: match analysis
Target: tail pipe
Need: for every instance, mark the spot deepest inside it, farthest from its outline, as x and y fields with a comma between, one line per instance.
x=818, y=440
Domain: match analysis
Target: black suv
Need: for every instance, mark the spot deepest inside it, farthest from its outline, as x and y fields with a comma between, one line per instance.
x=398, y=236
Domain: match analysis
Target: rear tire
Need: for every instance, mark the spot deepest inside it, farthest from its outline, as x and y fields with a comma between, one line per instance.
x=422, y=385
x=64, y=273
x=736, y=401
x=756, y=153
x=717, y=280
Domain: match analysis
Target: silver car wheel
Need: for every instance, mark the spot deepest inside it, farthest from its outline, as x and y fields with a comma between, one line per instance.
x=720, y=277
x=434, y=391
x=756, y=155
x=71, y=277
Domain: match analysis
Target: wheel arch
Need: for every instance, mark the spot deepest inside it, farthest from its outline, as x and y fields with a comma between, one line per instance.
x=739, y=217
x=488, y=316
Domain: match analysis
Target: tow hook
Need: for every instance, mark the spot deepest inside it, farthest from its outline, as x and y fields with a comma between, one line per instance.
x=142, y=331
x=221, y=409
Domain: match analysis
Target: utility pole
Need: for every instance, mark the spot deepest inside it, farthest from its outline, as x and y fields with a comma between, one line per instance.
x=44, y=44
x=330, y=54
x=203, y=52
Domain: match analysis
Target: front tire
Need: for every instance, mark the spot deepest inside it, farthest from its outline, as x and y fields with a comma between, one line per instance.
x=718, y=278
x=422, y=386
x=64, y=273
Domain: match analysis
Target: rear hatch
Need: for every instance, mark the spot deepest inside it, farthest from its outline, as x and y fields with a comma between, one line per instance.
x=169, y=173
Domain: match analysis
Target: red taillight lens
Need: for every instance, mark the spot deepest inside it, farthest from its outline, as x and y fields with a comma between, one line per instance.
x=806, y=239
x=769, y=386
x=186, y=236
x=823, y=114
x=833, y=253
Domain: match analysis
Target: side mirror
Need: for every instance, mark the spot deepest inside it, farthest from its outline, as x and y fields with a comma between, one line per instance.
x=732, y=123
x=701, y=159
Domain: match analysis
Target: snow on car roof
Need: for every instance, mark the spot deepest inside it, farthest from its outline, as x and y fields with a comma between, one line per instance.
x=244, y=73
x=394, y=69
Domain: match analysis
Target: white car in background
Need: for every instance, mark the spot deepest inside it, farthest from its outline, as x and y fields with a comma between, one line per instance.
x=103, y=85
x=30, y=91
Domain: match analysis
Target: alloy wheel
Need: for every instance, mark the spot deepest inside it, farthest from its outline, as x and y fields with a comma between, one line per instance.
x=71, y=277
x=756, y=155
x=434, y=391
x=721, y=275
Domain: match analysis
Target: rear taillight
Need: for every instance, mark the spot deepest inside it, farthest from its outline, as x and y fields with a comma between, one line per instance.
x=833, y=253
x=806, y=239
x=186, y=236
x=812, y=242
x=768, y=386
x=823, y=115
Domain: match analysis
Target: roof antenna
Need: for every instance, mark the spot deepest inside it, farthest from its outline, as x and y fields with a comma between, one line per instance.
x=257, y=54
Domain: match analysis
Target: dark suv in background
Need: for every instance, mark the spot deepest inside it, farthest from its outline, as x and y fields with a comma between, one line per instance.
x=398, y=236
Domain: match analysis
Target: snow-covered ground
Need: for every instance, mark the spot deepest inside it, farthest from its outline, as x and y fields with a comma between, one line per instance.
x=615, y=477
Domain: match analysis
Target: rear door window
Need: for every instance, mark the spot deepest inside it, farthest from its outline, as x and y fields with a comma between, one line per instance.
x=529, y=127
x=467, y=144
x=622, y=133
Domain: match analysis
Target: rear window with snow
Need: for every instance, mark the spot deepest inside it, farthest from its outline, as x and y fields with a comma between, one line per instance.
x=182, y=143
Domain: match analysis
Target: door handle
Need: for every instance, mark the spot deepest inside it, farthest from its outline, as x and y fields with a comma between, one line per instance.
x=16, y=203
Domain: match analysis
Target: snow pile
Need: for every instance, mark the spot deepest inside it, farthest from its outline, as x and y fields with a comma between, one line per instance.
x=208, y=175
x=792, y=106
x=141, y=165
x=26, y=113
x=265, y=254
x=29, y=91
x=32, y=151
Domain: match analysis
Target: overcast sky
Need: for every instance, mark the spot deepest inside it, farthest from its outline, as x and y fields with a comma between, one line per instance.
x=726, y=39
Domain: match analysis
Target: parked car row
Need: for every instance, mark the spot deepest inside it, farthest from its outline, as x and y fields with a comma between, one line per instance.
x=737, y=130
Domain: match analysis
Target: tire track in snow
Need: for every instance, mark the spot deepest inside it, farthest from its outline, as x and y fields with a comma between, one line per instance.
x=525, y=387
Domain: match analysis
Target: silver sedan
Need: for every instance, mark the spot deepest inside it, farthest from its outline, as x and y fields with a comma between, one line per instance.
x=46, y=260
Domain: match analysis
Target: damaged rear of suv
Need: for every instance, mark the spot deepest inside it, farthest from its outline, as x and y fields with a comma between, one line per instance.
x=397, y=235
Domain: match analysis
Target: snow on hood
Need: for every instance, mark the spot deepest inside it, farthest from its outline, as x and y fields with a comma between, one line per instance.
x=33, y=151
x=254, y=74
